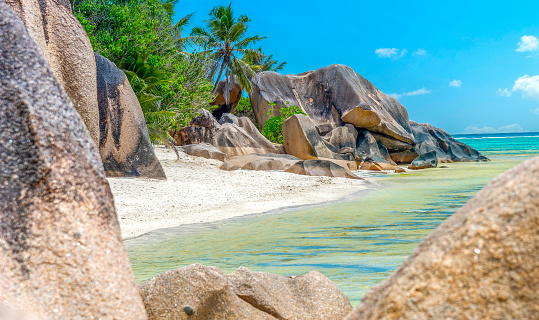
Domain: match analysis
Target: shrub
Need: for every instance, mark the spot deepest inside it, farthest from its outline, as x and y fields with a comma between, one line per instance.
x=273, y=128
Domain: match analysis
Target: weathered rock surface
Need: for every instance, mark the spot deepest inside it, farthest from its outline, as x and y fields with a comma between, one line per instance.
x=229, y=118
x=404, y=156
x=367, y=149
x=301, y=139
x=447, y=148
x=201, y=129
x=380, y=166
x=7, y=313
x=480, y=263
x=66, y=46
x=204, y=150
x=331, y=96
x=260, y=162
x=424, y=161
x=243, y=139
x=124, y=143
x=321, y=168
x=227, y=97
x=311, y=296
x=195, y=292
x=61, y=252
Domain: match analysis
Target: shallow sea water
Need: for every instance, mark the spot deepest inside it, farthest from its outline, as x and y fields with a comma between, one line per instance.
x=356, y=243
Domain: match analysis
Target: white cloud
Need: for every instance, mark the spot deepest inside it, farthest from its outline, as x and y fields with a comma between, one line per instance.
x=504, y=93
x=411, y=93
x=528, y=86
x=420, y=52
x=528, y=43
x=504, y=129
x=455, y=83
x=390, y=52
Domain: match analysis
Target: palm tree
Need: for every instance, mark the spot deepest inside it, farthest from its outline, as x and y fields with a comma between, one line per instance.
x=260, y=62
x=225, y=40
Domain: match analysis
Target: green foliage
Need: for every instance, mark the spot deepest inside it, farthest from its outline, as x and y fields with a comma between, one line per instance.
x=140, y=37
x=245, y=109
x=259, y=62
x=273, y=128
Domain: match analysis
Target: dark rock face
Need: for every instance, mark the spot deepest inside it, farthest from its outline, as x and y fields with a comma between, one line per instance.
x=227, y=97
x=332, y=96
x=198, y=292
x=311, y=296
x=204, y=150
x=228, y=118
x=367, y=148
x=448, y=149
x=480, y=263
x=301, y=139
x=424, y=161
x=61, y=252
x=124, y=143
x=260, y=162
x=201, y=129
x=321, y=168
x=404, y=156
x=55, y=29
x=244, y=139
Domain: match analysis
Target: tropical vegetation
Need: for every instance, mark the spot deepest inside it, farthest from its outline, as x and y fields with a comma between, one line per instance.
x=273, y=127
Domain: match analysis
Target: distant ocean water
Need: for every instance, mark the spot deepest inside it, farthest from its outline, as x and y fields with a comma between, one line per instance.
x=357, y=243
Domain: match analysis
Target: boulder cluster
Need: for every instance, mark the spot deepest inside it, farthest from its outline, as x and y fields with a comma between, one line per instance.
x=348, y=122
x=62, y=256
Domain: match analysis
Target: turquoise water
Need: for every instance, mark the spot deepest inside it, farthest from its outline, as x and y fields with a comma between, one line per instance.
x=356, y=244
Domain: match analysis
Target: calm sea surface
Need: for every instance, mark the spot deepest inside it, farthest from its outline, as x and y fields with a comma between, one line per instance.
x=357, y=243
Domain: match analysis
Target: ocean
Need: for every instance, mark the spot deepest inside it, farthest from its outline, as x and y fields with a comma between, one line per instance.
x=355, y=243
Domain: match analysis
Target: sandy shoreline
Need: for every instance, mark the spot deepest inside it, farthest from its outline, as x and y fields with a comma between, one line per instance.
x=198, y=191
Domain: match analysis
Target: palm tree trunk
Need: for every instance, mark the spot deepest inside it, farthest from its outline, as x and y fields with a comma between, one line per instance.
x=219, y=76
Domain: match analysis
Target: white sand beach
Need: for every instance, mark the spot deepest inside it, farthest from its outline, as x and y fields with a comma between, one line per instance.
x=198, y=191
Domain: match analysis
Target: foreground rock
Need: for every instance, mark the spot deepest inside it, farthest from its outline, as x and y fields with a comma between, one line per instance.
x=124, y=143
x=200, y=292
x=204, y=150
x=332, y=96
x=311, y=296
x=321, y=168
x=244, y=139
x=260, y=162
x=481, y=263
x=67, y=48
x=61, y=253
x=201, y=129
x=301, y=139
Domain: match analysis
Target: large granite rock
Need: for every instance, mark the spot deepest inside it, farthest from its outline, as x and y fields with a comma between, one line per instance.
x=201, y=129
x=124, y=143
x=260, y=162
x=195, y=292
x=331, y=96
x=447, y=148
x=480, y=263
x=244, y=139
x=368, y=149
x=61, y=252
x=301, y=139
x=227, y=97
x=7, y=313
x=67, y=48
x=311, y=296
x=204, y=150
x=321, y=168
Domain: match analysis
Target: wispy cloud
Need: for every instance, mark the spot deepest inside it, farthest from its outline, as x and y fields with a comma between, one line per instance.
x=503, y=129
x=455, y=83
x=420, y=52
x=504, y=93
x=528, y=43
x=390, y=52
x=411, y=93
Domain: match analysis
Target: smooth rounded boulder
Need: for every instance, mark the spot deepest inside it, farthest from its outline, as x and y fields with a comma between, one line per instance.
x=61, y=252
x=480, y=263
x=260, y=162
x=310, y=296
x=66, y=46
x=204, y=150
x=321, y=168
x=424, y=161
x=124, y=143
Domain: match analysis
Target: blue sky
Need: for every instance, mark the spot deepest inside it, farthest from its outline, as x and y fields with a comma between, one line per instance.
x=463, y=66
